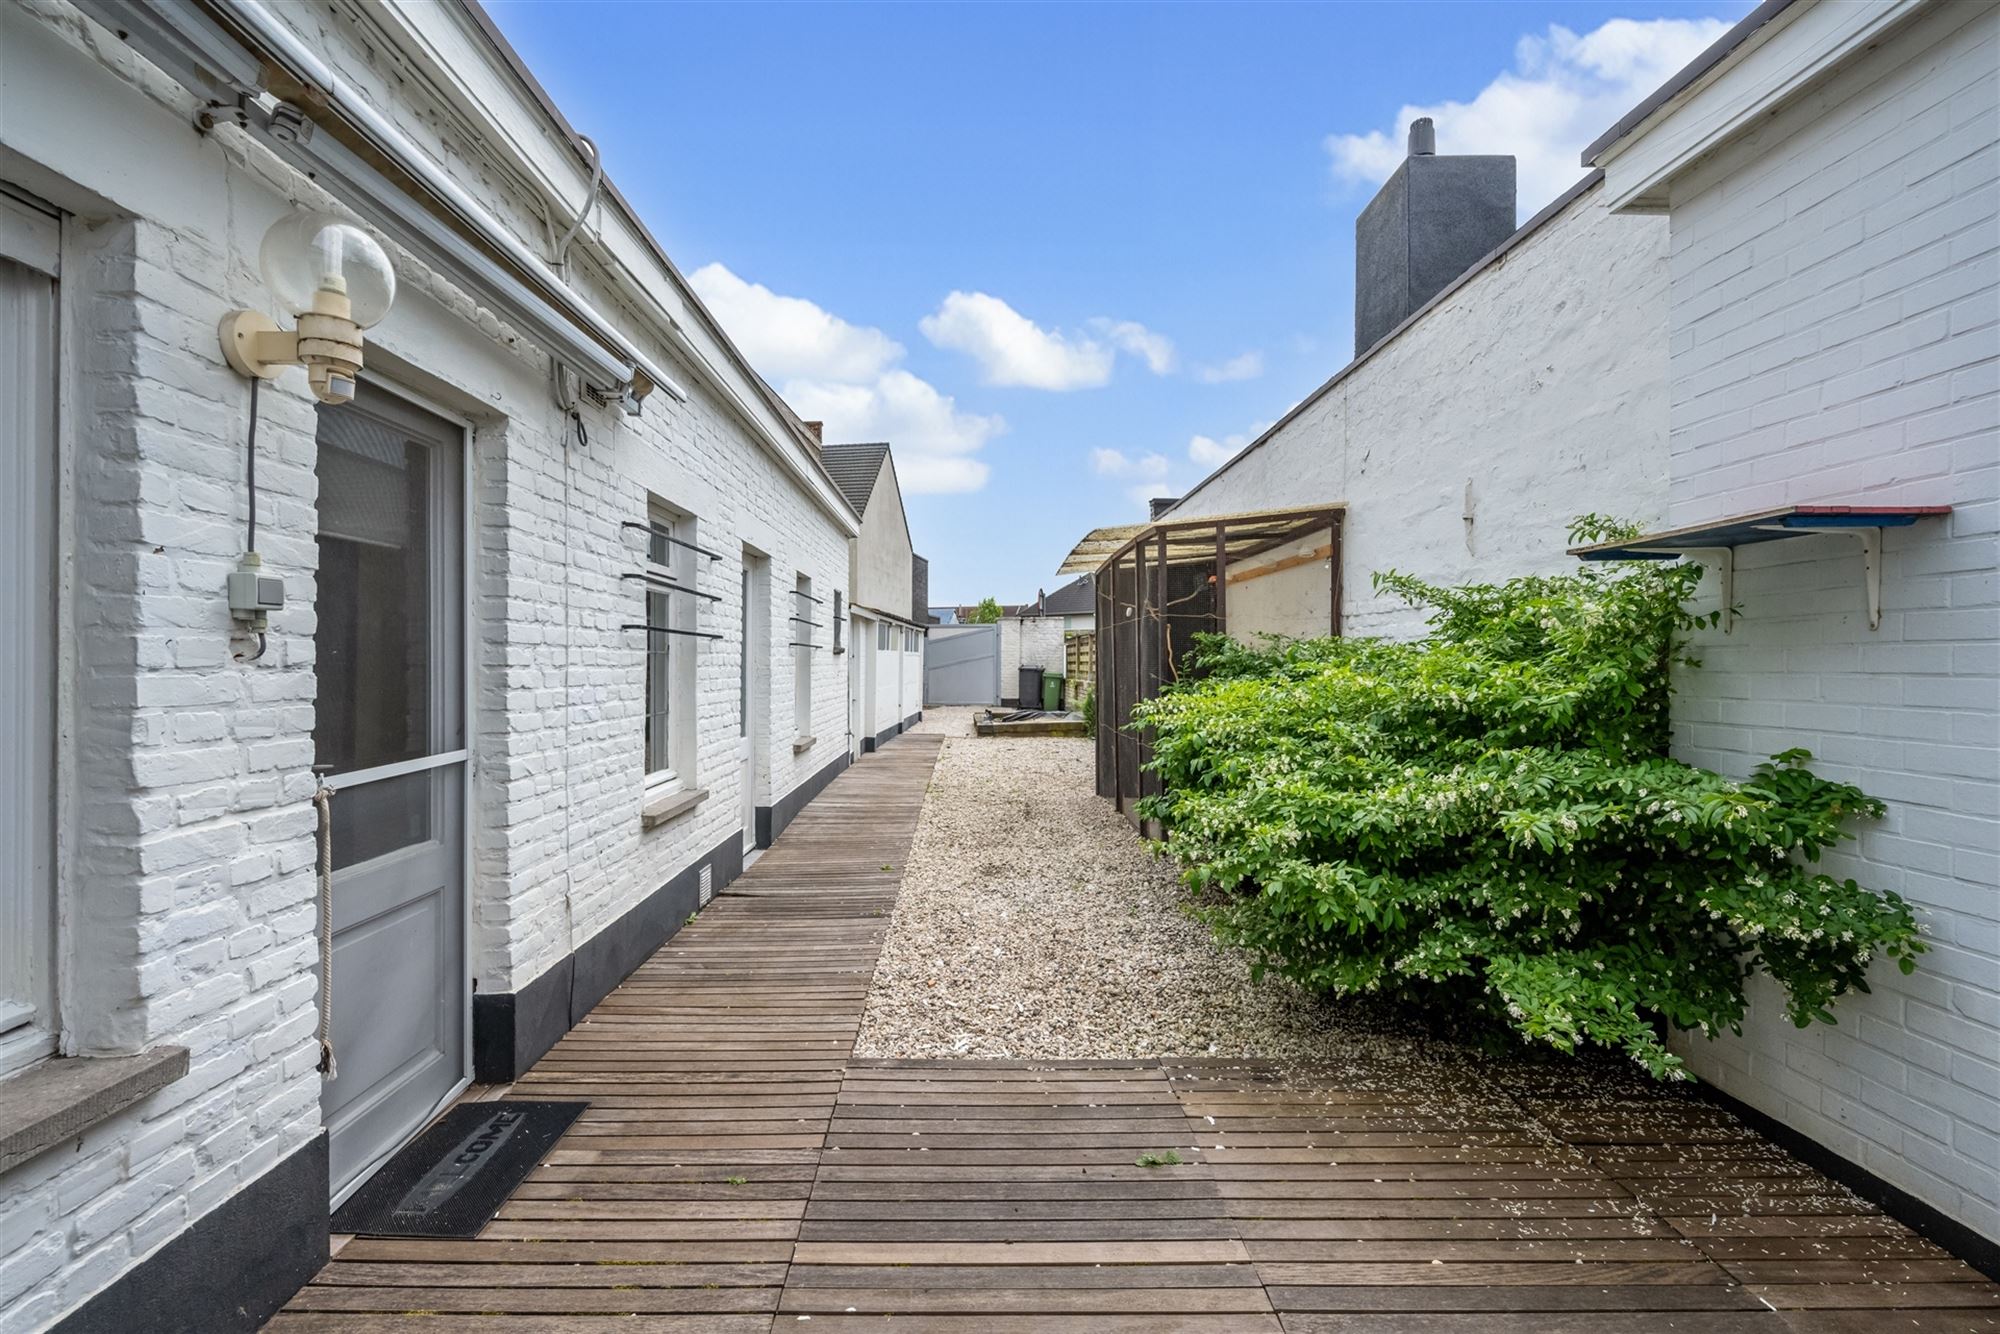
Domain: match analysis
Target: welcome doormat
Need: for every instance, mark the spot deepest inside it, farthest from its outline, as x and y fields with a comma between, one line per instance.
x=451, y=1180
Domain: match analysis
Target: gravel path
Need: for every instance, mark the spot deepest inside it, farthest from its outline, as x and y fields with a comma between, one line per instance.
x=1033, y=923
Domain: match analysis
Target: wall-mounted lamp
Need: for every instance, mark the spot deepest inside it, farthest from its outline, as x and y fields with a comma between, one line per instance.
x=337, y=281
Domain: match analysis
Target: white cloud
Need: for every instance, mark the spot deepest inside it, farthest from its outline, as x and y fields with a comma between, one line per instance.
x=1243, y=366
x=1012, y=350
x=1145, y=475
x=845, y=376
x=1208, y=453
x=1563, y=91
x=788, y=336
x=1115, y=463
x=1151, y=474
x=934, y=441
x=1129, y=336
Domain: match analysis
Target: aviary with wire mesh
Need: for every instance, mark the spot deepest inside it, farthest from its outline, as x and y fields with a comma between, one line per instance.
x=1161, y=584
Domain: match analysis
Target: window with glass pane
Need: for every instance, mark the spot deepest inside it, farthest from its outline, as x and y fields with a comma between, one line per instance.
x=743, y=663
x=802, y=648
x=839, y=617
x=660, y=561
x=28, y=361
x=377, y=581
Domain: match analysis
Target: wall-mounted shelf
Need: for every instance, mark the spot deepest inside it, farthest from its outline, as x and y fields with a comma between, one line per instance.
x=1723, y=536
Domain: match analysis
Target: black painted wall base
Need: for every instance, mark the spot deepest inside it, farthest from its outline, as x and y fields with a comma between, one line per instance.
x=233, y=1267
x=871, y=744
x=511, y=1030
x=1981, y=1252
x=771, y=820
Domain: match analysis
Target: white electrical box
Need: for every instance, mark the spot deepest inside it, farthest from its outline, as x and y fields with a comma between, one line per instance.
x=254, y=595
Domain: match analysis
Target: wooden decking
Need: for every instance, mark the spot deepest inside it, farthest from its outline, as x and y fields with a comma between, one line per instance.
x=738, y=1170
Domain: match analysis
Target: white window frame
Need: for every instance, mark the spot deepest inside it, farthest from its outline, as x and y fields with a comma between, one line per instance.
x=803, y=645
x=31, y=241
x=670, y=766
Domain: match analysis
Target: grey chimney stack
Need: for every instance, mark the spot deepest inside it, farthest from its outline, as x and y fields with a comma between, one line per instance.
x=1431, y=221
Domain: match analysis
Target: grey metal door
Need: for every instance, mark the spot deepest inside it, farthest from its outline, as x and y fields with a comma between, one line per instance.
x=962, y=665
x=390, y=738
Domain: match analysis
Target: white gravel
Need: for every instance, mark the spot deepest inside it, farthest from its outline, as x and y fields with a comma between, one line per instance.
x=1033, y=923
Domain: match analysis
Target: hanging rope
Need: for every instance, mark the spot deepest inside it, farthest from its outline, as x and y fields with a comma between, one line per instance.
x=323, y=800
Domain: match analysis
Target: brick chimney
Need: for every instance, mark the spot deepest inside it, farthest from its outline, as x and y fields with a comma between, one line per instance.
x=817, y=430
x=1430, y=222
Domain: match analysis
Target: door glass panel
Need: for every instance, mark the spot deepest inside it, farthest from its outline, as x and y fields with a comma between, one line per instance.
x=377, y=586
x=371, y=820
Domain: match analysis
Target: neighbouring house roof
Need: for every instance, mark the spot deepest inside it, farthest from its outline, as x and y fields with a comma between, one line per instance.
x=1078, y=597
x=1245, y=531
x=1716, y=53
x=854, y=469
x=920, y=589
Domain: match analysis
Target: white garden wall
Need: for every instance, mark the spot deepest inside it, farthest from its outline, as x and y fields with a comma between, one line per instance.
x=1836, y=322
x=1463, y=445
x=1028, y=641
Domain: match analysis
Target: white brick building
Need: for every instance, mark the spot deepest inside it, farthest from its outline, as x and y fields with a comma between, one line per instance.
x=1829, y=176
x=545, y=749
x=1529, y=391
x=885, y=620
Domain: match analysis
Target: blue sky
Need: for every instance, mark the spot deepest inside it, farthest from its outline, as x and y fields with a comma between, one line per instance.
x=1061, y=257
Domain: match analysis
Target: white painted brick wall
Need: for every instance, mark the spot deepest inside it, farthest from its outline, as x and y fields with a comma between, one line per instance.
x=188, y=819
x=190, y=822
x=1028, y=641
x=1835, y=327
x=561, y=853
x=1537, y=391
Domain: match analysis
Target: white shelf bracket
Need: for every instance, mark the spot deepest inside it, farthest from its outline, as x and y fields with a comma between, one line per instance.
x=1871, y=571
x=1726, y=575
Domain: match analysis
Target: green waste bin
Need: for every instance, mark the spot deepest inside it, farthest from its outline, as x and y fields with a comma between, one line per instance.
x=1052, y=692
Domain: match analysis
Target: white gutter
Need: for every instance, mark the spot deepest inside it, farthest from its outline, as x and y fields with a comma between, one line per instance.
x=302, y=64
x=227, y=55
x=248, y=66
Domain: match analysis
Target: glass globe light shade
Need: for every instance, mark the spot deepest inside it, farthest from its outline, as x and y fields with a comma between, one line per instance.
x=305, y=253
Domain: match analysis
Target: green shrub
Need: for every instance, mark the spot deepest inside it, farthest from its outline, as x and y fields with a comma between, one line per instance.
x=1485, y=821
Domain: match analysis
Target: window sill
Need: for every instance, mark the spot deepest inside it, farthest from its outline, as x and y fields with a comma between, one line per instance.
x=670, y=805
x=800, y=745
x=62, y=1097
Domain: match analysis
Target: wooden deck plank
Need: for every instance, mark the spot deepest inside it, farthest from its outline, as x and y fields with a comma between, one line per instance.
x=737, y=1166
